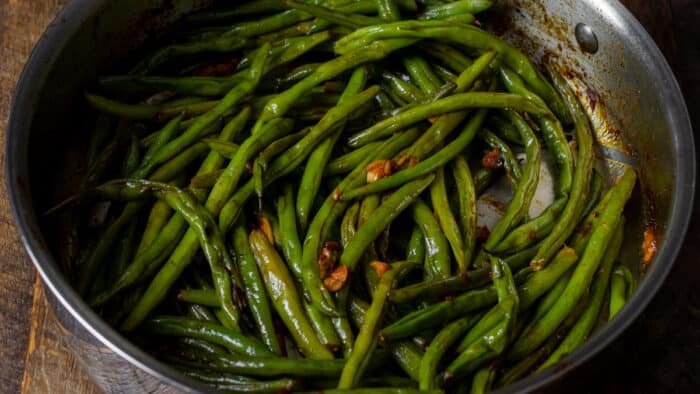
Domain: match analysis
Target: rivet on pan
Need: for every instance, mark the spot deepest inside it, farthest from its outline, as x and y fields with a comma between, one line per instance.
x=586, y=38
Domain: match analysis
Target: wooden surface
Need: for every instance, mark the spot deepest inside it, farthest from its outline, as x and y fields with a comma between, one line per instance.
x=658, y=353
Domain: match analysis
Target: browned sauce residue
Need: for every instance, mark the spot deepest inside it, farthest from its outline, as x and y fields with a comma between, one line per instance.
x=482, y=233
x=218, y=70
x=337, y=279
x=266, y=228
x=492, y=159
x=327, y=257
x=649, y=247
x=380, y=267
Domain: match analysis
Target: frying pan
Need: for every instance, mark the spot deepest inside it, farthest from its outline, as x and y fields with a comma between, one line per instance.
x=623, y=80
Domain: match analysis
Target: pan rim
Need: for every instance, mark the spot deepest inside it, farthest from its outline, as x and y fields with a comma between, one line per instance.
x=66, y=24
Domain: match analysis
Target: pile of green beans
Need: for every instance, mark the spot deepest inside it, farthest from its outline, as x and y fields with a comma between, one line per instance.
x=291, y=197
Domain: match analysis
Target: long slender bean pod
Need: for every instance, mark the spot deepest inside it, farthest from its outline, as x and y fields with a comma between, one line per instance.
x=436, y=245
x=439, y=159
x=367, y=338
x=517, y=209
x=183, y=327
x=581, y=179
x=583, y=327
x=281, y=289
x=467, y=206
x=590, y=261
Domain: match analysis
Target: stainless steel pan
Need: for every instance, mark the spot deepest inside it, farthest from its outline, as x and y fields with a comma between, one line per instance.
x=635, y=103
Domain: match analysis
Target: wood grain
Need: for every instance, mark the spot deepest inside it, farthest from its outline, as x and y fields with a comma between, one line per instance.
x=29, y=338
x=49, y=366
x=34, y=359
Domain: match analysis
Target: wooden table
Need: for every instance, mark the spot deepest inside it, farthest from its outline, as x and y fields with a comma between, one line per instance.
x=658, y=353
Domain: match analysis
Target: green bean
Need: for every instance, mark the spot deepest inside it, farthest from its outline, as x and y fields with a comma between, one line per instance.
x=483, y=179
x=195, y=130
x=531, y=231
x=581, y=179
x=292, y=251
x=201, y=344
x=470, y=36
x=406, y=353
x=201, y=223
x=188, y=246
x=439, y=159
x=157, y=220
x=445, y=105
x=175, y=167
x=531, y=291
x=457, y=7
x=511, y=164
x=416, y=247
x=272, y=366
x=348, y=226
x=294, y=75
x=346, y=163
x=348, y=229
x=388, y=10
x=171, y=52
x=367, y=338
x=504, y=129
x=447, y=221
x=483, y=380
x=402, y=89
x=467, y=206
x=183, y=327
x=367, y=208
x=495, y=341
x=448, y=122
x=529, y=363
x=440, y=287
x=151, y=112
x=281, y=289
x=289, y=235
x=549, y=299
x=458, y=283
x=582, y=328
x=336, y=16
x=133, y=156
x=376, y=390
x=439, y=346
x=241, y=384
x=266, y=25
x=618, y=290
x=195, y=85
x=420, y=72
x=264, y=158
x=246, y=9
x=224, y=148
x=163, y=243
x=280, y=105
x=446, y=54
x=286, y=163
x=527, y=186
x=254, y=290
x=385, y=214
x=313, y=172
x=436, y=245
x=474, y=300
x=284, y=52
x=596, y=190
x=205, y=297
x=590, y=260
x=444, y=74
